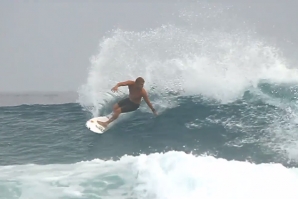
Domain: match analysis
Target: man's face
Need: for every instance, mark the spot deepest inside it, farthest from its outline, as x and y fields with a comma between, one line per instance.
x=139, y=85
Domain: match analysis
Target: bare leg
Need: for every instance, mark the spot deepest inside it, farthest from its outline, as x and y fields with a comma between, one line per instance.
x=117, y=111
x=115, y=115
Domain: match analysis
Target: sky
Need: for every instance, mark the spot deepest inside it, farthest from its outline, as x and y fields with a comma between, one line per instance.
x=46, y=45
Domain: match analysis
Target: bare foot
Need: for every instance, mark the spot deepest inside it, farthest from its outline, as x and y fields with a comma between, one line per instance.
x=104, y=124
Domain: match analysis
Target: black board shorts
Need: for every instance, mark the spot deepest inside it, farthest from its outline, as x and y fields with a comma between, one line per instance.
x=127, y=106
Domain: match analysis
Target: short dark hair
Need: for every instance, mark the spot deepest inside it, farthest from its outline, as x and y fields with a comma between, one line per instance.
x=140, y=80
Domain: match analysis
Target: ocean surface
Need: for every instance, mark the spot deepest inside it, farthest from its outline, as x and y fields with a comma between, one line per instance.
x=227, y=124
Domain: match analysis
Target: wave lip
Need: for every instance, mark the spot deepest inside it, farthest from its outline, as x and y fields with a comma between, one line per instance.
x=185, y=62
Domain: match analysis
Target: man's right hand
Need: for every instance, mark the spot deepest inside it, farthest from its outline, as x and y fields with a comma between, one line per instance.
x=115, y=88
x=155, y=113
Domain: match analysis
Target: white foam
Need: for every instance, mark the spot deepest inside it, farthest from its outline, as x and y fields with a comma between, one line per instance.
x=161, y=176
x=177, y=61
x=176, y=175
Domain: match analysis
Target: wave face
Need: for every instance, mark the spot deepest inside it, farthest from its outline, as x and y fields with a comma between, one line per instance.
x=226, y=126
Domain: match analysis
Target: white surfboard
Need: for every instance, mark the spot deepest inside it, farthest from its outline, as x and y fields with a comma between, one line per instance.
x=93, y=126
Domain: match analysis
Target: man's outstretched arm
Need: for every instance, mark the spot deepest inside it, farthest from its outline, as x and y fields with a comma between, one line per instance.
x=145, y=96
x=125, y=83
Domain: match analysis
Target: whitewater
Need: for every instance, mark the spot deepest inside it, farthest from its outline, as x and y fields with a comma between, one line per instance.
x=169, y=175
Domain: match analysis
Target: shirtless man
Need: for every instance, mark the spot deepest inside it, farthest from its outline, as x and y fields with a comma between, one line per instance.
x=131, y=103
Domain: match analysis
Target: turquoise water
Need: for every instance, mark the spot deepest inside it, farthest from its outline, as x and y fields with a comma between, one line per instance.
x=48, y=150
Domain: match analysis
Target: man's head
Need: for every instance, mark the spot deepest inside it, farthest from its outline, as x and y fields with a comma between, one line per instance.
x=139, y=82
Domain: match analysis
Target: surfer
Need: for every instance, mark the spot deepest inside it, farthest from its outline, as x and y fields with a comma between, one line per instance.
x=132, y=102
